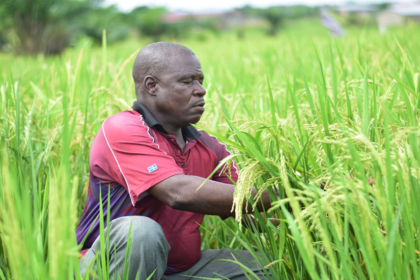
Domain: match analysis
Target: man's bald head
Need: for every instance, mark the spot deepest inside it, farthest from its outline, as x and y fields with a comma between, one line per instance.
x=169, y=82
x=153, y=59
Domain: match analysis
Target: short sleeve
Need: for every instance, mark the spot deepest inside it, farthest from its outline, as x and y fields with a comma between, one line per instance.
x=124, y=152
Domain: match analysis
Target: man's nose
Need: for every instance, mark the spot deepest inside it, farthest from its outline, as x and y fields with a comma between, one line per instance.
x=199, y=89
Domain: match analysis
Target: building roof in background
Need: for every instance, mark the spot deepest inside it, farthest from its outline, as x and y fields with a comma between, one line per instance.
x=175, y=16
x=409, y=9
x=180, y=15
x=356, y=8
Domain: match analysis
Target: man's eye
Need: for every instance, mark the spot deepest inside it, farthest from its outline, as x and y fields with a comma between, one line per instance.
x=189, y=82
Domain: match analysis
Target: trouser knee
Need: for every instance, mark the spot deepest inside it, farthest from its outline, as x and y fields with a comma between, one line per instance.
x=137, y=247
x=141, y=233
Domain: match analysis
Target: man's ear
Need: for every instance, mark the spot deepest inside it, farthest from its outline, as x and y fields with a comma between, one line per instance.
x=150, y=83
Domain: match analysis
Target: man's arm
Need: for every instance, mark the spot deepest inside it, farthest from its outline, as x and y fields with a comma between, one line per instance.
x=213, y=198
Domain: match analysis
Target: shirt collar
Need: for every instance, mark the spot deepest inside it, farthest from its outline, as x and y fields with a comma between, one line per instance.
x=188, y=131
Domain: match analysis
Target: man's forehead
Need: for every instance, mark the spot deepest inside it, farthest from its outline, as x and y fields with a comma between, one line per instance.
x=185, y=64
x=185, y=59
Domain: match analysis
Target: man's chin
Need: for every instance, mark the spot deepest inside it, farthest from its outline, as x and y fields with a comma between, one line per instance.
x=194, y=120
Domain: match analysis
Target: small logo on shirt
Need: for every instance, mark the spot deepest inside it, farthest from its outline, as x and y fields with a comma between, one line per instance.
x=152, y=168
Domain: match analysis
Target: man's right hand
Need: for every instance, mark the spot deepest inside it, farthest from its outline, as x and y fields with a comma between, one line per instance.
x=213, y=198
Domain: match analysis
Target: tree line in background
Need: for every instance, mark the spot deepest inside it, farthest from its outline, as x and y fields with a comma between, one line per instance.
x=276, y=15
x=49, y=26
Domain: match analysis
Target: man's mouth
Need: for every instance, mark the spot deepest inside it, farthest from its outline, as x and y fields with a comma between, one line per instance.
x=199, y=107
x=200, y=104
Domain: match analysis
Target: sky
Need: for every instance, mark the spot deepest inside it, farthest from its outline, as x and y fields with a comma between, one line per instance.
x=200, y=5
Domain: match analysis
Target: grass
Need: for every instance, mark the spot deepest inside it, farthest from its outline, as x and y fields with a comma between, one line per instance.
x=310, y=117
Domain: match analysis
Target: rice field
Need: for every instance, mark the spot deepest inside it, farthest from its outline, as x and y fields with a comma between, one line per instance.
x=330, y=124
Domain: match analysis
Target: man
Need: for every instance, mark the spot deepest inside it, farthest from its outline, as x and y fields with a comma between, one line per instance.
x=154, y=161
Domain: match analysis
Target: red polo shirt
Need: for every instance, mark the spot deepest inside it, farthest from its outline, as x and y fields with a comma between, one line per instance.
x=131, y=153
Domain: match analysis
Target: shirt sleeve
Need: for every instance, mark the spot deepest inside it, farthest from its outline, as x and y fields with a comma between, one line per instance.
x=124, y=152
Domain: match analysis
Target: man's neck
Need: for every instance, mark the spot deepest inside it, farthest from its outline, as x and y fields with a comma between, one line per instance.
x=167, y=126
x=175, y=131
x=170, y=129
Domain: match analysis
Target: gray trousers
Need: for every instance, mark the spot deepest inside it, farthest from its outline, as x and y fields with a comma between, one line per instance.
x=148, y=253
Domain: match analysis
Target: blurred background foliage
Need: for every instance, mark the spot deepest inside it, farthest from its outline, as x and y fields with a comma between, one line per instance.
x=41, y=26
x=48, y=27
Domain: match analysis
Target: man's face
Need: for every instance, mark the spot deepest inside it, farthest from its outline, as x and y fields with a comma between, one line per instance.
x=180, y=92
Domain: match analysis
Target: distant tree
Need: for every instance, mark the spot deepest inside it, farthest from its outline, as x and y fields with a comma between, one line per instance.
x=383, y=6
x=3, y=42
x=40, y=26
x=300, y=11
x=150, y=22
x=110, y=18
x=4, y=24
x=276, y=15
x=250, y=11
x=275, y=18
x=133, y=17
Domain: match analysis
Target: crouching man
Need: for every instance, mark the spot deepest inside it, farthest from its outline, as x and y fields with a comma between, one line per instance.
x=154, y=160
